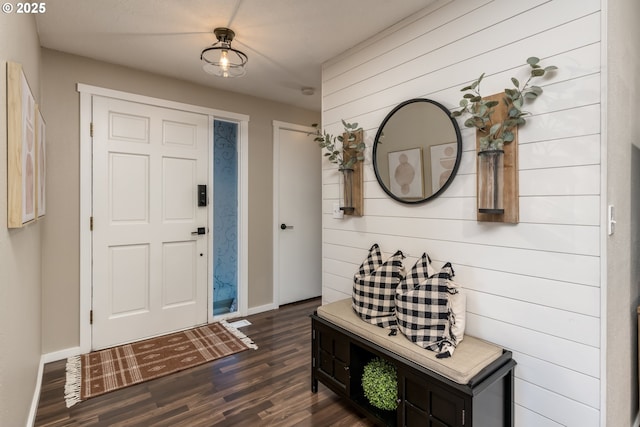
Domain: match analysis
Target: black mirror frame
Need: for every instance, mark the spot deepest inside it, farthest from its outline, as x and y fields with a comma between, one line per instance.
x=454, y=171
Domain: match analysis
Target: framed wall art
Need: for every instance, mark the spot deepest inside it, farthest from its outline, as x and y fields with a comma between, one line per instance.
x=41, y=157
x=21, y=149
x=443, y=160
x=405, y=173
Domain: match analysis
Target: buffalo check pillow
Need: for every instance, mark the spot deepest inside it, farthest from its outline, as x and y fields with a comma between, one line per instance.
x=374, y=288
x=423, y=307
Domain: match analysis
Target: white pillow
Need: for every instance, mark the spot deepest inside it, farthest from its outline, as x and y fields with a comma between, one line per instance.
x=458, y=303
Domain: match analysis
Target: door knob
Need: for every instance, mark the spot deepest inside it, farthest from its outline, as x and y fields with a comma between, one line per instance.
x=285, y=226
x=199, y=231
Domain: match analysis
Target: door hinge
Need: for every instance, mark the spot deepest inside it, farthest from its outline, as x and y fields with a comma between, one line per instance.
x=90, y=223
x=91, y=129
x=91, y=317
x=463, y=417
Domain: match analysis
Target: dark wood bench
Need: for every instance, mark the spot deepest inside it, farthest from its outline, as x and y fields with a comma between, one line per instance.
x=472, y=388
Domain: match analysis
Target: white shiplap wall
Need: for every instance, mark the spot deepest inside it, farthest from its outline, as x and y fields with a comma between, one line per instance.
x=534, y=287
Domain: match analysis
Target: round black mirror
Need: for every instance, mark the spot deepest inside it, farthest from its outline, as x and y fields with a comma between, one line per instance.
x=417, y=151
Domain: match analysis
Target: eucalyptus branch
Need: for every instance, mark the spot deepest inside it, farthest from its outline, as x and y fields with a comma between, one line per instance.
x=334, y=151
x=481, y=110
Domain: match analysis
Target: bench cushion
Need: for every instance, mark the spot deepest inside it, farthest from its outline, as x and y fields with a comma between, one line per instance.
x=470, y=356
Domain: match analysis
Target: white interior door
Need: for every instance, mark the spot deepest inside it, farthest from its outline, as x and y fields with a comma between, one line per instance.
x=149, y=270
x=298, y=263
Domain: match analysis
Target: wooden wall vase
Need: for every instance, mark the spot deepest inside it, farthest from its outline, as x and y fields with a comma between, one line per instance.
x=511, y=186
x=358, y=193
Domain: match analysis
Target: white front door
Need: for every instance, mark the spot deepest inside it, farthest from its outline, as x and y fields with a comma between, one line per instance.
x=298, y=263
x=149, y=269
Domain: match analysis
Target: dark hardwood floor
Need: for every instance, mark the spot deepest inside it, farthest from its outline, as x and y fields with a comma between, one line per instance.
x=270, y=386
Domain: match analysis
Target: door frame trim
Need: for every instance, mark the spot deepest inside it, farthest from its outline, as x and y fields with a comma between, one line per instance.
x=277, y=127
x=87, y=92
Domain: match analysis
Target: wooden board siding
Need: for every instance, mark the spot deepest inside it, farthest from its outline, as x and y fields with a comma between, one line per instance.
x=534, y=287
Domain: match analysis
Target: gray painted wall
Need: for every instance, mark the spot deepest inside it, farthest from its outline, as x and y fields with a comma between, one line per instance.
x=20, y=249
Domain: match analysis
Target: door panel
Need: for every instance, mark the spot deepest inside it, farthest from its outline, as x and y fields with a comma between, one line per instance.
x=128, y=280
x=178, y=199
x=299, y=208
x=128, y=188
x=128, y=128
x=180, y=134
x=179, y=281
x=149, y=270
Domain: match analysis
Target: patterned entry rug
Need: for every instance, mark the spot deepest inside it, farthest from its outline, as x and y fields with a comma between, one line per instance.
x=99, y=372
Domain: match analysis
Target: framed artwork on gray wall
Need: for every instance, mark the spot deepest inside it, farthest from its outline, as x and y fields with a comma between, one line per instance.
x=22, y=149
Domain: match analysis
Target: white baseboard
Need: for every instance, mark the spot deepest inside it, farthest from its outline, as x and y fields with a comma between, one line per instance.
x=261, y=309
x=46, y=358
x=636, y=423
x=36, y=394
x=61, y=354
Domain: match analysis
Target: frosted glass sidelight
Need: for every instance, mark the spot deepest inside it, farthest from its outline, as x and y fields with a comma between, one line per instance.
x=225, y=217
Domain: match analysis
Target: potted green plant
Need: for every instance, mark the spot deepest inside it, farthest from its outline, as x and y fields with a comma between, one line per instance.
x=380, y=384
x=495, y=133
x=345, y=151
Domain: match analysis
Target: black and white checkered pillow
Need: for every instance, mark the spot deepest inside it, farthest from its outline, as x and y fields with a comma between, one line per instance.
x=423, y=309
x=374, y=288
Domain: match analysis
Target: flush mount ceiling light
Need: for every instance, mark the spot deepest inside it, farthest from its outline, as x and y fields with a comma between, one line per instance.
x=220, y=59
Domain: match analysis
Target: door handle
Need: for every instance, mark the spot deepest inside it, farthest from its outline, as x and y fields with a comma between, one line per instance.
x=199, y=231
x=286, y=227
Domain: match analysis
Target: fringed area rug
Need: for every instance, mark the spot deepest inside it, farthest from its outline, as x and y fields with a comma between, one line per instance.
x=99, y=372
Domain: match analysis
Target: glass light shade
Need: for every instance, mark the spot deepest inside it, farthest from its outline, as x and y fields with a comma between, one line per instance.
x=216, y=70
x=224, y=63
x=220, y=59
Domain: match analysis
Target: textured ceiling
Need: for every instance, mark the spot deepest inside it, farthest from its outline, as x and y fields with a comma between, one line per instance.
x=286, y=40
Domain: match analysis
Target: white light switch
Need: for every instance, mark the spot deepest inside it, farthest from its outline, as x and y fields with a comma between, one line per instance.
x=611, y=221
x=337, y=213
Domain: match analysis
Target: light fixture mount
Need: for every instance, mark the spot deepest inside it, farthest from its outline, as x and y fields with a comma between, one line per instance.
x=224, y=35
x=220, y=59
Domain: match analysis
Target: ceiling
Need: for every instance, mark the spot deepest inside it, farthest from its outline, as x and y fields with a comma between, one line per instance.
x=286, y=40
